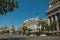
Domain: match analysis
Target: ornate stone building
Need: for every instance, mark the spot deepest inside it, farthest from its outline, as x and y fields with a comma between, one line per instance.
x=5, y=29
x=53, y=13
x=34, y=24
x=11, y=29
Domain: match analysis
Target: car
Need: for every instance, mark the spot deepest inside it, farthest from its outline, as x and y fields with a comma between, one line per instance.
x=31, y=35
x=43, y=35
x=25, y=35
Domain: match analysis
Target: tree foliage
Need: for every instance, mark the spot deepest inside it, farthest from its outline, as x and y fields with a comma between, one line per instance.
x=18, y=32
x=53, y=25
x=7, y=6
x=7, y=31
x=24, y=29
x=29, y=30
x=43, y=23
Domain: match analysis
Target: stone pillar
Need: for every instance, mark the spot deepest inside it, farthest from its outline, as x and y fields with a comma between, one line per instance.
x=48, y=21
x=57, y=23
x=52, y=19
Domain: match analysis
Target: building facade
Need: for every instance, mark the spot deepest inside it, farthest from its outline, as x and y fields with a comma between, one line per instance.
x=53, y=13
x=34, y=24
x=4, y=29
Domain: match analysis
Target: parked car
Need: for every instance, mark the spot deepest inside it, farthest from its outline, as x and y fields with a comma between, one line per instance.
x=31, y=35
x=43, y=35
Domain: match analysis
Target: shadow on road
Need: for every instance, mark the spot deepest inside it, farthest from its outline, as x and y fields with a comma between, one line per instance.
x=12, y=39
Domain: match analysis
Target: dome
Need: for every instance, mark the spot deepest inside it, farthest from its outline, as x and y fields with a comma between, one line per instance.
x=29, y=20
x=31, y=23
x=36, y=19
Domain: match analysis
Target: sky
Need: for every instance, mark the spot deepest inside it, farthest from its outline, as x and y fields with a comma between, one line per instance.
x=27, y=9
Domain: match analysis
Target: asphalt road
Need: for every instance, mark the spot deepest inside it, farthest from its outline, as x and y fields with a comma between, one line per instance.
x=29, y=38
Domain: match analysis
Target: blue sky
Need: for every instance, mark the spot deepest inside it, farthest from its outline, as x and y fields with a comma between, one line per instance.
x=27, y=9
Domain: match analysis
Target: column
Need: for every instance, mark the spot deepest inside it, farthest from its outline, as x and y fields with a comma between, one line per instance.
x=52, y=19
x=56, y=18
x=48, y=21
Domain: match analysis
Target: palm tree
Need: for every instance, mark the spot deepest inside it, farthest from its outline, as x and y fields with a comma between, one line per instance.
x=43, y=23
x=24, y=30
x=7, y=6
x=29, y=31
x=45, y=28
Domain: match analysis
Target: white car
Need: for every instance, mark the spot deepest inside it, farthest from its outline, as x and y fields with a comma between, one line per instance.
x=24, y=35
x=31, y=35
x=43, y=35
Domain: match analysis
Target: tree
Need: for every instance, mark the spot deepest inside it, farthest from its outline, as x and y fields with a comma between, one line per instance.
x=39, y=28
x=24, y=30
x=39, y=24
x=7, y=31
x=18, y=32
x=7, y=6
x=43, y=23
x=29, y=31
x=53, y=25
x=45, y=28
